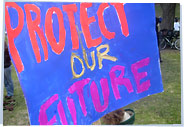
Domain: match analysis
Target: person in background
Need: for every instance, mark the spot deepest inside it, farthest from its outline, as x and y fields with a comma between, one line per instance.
x=176, y=25
x=158, y=20
x=7, y=78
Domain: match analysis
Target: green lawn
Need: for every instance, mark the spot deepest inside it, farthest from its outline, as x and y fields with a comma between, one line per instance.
x=19, y=116
x=162, y=108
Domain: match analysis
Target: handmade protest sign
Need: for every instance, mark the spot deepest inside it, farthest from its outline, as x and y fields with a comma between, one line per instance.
x=79, y=61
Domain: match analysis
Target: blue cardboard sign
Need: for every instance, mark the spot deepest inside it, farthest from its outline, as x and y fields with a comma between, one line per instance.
x=79, y=61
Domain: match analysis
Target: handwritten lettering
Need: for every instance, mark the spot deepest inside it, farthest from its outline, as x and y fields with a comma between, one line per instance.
x=79, y=86
x=34, y=27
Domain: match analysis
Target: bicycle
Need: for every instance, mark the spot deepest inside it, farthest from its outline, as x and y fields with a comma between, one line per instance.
x=169, y=38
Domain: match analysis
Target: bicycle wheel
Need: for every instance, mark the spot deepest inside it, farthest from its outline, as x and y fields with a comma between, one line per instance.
x=177, y=44
x=162, y=44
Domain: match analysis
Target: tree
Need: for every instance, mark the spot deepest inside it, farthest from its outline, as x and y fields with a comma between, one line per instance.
x=168, y=15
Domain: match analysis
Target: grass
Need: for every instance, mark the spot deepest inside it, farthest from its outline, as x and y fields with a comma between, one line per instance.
x=19, y=116
x=165, y=107
x=162, y=108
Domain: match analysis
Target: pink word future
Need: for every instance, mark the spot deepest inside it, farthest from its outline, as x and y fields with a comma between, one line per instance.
x=78, y=88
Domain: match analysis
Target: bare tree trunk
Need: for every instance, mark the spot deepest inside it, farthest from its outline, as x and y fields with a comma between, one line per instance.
x=168, y=15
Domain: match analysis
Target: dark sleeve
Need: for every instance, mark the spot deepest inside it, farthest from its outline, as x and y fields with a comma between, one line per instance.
x=7, y=60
